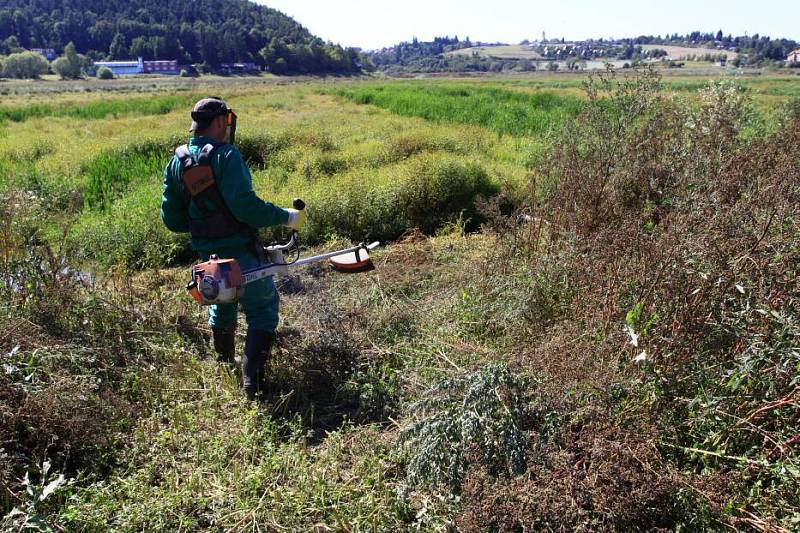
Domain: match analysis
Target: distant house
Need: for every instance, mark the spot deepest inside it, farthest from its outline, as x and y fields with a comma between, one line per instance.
x=48, y=53
x=238, y=68
x=161, y=67
x=794, y=56
x=122, y=68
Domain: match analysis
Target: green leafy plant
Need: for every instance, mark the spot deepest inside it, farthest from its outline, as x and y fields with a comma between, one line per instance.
x=31, y=514
x=466, y=420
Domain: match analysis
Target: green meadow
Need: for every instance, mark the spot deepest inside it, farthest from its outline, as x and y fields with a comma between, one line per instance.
x=584, y=314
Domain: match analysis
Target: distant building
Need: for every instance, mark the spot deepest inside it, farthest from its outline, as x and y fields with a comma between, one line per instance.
x=48, y=53
x=794, y=56
x=161, y=67
x=122, y=68
x=238, y=68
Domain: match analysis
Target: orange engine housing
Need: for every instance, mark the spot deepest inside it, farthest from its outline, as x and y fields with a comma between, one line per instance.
x=217, y=281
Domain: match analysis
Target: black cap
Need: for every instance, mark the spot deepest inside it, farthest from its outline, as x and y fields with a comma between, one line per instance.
x=205, y=110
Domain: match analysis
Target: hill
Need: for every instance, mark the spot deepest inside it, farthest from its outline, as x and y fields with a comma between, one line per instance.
x=197, y=31
x=452, y=55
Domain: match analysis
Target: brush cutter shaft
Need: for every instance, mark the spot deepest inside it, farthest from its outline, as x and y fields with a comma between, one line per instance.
x=220, y=281
x=254, y=274
x=322, y=257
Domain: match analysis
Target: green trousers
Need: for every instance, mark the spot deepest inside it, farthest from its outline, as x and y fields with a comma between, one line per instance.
x=260, y=301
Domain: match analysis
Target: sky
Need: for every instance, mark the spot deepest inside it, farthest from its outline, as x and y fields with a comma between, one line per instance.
x=371, y=24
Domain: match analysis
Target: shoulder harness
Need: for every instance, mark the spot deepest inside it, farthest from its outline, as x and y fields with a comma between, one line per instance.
x=197, y=176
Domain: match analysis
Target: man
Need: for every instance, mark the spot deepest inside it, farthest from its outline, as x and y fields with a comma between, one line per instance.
x=222, y=215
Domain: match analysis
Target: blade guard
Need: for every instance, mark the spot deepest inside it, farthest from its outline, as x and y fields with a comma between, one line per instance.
x=356, y=261
x=217, y=281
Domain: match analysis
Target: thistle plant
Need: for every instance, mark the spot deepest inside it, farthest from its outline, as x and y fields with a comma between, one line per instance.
x=466, y=420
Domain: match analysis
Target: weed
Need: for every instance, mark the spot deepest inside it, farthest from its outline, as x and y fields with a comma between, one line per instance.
x=32, y=515
x=464, y=420
x=677, y=224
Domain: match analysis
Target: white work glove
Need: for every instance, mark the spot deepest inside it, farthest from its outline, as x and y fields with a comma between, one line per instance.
x=297, y=219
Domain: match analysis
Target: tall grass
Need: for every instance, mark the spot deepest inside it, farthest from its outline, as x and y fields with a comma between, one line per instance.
x=148, y=105
x=500, y=110
x=109, y=174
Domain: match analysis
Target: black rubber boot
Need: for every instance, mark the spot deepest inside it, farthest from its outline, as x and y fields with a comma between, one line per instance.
x=225, y=344
x=256, y=351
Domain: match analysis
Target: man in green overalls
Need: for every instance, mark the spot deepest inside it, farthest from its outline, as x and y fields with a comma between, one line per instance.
x=222, y=220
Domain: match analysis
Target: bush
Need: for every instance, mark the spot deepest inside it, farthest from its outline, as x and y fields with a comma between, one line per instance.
x=190, y=72
x=440, y=190
x=25, y=65
x=426, y=193
x=678, y=224
x=128, y=232
x=105, y=73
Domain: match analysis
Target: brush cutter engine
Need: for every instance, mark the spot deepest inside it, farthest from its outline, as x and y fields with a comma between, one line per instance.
x=222, y=281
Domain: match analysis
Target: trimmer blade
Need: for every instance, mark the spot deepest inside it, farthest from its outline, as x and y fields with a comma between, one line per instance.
x=358, y=261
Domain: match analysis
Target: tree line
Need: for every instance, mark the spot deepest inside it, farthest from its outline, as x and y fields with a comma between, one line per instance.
x=206, y=32
x=757, y=48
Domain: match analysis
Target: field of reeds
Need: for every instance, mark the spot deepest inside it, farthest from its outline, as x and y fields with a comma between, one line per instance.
x=584, y=317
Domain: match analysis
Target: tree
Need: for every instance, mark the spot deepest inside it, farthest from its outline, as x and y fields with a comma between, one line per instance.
x=10, y=46
x=101, y=33
x=158, y=45
x=24, y=65
x=119, y=47
x=211, y=32
x=719, y=35
x=71, y=65
x=140, y=47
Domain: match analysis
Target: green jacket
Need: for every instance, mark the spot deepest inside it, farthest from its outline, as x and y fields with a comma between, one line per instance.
x=236, y=186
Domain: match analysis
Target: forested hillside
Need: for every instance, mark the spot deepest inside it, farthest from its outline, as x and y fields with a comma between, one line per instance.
x=194, y=31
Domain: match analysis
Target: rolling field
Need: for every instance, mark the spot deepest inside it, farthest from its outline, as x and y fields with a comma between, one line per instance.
x=500, y=52
x=678, y=53
x=584, y=316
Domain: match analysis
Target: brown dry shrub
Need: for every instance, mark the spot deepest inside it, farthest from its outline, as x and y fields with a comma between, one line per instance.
x=598, y=478
x=674, y=218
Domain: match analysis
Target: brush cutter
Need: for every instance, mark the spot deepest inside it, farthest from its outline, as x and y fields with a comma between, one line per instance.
x=222, y=281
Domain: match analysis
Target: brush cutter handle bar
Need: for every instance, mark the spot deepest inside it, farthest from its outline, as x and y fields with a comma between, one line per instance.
x=281, y=247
